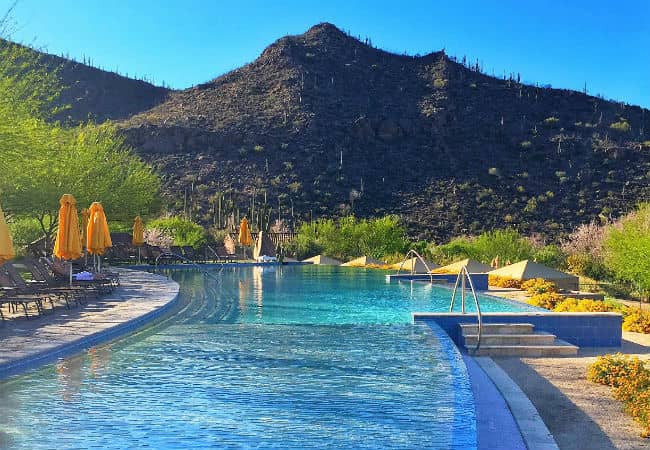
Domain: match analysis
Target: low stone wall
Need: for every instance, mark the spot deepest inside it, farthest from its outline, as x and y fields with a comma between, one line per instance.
x=581, y=329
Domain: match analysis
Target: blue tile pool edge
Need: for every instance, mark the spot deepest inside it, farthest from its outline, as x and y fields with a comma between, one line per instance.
x=459, y=371
x=496, y=427
x=86, y=342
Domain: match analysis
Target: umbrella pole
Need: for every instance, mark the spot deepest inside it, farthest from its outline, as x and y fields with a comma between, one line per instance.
x=70, y=273
x=138, y=255
x=99, y=263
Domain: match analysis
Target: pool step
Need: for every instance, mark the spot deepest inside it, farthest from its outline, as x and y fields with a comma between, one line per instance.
x=498, y=328
x=510, y=339
x=516, y=339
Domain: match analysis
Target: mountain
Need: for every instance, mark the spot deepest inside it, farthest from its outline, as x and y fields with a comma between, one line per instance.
x=324, y=124
x=95, y=94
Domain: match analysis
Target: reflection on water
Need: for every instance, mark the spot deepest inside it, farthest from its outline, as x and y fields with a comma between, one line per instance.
x=257, y=289
x=100, y=358
x=70, y=375
x=260, y=357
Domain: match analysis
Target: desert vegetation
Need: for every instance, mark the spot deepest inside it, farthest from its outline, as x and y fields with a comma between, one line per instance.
x=630, y=379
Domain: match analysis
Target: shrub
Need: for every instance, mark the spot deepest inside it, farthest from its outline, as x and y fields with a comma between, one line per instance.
x=507, y=244
x=637, y=320
x=550, y=255
x=349, y=237
x=626, y=248
x=551, y=121
x=159, y=238
x=587, y=305
x=537, y=286
x=184, y=232
x=587, y=264
x=503, y=282
x=614, y=370
x=621, y=126
x=631, y=382
x=548, y=300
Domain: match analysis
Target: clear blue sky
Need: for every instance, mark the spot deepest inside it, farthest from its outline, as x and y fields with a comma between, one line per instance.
x=564, y=43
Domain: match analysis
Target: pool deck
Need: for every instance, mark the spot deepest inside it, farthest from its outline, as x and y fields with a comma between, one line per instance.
x=27, y=344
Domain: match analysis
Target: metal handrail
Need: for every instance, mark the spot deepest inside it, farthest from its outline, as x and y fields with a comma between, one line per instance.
x=417, y=255
x=461, y=279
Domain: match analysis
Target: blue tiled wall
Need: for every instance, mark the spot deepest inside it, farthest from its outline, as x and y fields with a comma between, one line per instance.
x=480, y=280
x=581, y=329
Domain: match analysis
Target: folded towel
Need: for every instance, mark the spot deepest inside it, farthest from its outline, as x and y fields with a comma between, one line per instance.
x=84, y=276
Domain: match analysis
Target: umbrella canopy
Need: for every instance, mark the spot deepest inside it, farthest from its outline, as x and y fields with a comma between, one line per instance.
x=6, y=244
x=245, y=237
x=99, y=238
x=85, y=216
x=68, y=238
x=138, y=232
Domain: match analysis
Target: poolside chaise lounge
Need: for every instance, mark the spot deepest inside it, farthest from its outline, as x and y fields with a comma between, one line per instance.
x=14, y=295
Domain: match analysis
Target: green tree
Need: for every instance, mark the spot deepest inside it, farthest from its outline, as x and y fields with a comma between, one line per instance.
x=627, y=246
x=40, y=159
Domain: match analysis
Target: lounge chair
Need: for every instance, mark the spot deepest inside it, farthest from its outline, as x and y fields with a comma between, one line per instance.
x=43, y=279
x=190, y=253
x=222, y=254
x=15, y=295
x=103, y=283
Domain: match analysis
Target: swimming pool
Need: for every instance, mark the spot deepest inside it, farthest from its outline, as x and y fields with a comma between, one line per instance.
x=266, y=357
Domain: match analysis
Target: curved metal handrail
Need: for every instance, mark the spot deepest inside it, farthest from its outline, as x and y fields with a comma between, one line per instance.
x=417, y=255
x=461, y=279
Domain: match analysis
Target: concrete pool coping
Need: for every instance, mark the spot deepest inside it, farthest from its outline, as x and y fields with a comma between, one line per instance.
x=141, y=299
x=531, y=426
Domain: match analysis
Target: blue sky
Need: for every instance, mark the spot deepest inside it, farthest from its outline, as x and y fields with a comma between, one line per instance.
x=564, y=43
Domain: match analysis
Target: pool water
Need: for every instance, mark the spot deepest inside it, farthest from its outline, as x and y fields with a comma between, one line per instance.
x=263, y=357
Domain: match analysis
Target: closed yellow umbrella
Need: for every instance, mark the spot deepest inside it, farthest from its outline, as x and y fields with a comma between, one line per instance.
x=244, y=237
x=68, y=238
x=138, y=235
x=138, y=232
x=85, y=216
x=99, y=238
x=6, y=244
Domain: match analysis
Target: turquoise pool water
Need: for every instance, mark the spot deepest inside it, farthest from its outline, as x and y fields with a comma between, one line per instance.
x=273, y=357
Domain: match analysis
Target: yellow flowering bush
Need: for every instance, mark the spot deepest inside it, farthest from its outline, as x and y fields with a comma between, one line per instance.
x=538, y=286
x=575, y=305
x=546, y=300
x=503, y=282
x=637, y=320
x=631, y=380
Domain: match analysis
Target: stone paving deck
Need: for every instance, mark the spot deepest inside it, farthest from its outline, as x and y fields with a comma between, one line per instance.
x=141, y=298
